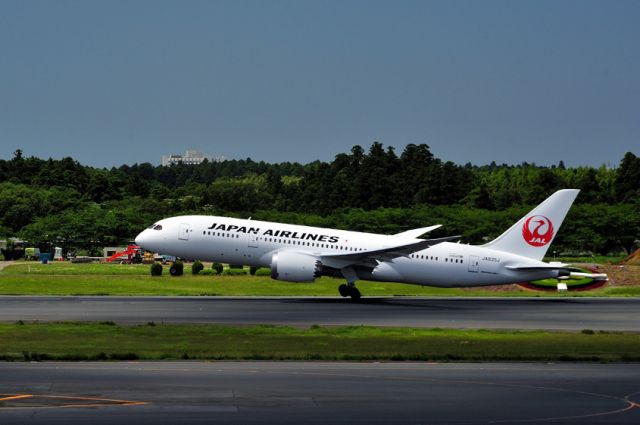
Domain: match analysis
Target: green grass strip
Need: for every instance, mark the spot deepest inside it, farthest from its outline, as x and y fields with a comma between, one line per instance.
x=249, y=286
x=107, y=341
x=32, y=278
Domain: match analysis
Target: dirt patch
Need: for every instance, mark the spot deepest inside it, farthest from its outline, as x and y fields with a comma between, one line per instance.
x=632, y=259
x=621, y=275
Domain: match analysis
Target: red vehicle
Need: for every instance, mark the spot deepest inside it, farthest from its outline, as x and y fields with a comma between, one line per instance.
x=132, y=255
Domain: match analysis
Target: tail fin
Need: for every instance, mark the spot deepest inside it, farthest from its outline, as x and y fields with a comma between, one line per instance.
x=533, y=234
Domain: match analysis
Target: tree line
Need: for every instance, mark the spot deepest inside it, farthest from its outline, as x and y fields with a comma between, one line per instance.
x=61, y=202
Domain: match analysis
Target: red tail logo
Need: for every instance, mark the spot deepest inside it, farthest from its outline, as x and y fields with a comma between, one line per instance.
x=537, y=230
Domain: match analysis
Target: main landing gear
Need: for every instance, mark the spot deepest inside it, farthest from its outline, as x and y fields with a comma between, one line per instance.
x=349, y=290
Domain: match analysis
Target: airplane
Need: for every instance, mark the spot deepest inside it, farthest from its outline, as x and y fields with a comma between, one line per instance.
x=302, y=253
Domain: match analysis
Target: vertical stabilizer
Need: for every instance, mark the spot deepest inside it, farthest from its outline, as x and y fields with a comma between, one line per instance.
x=533, y=234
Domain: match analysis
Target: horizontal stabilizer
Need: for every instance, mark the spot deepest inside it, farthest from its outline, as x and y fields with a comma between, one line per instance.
x=561, y=267
x=416, y=233
x=594, y=276
x=528, y=268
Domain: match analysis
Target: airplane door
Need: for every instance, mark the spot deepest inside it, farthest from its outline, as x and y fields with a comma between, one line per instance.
x=253, y=241
x=474, y=263
x=183, y=233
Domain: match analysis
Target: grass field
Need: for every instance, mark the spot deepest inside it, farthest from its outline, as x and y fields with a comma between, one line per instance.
x=106, y=341
x=31, y=278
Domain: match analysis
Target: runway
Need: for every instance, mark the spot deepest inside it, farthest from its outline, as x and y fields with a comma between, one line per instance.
x=490, y=313
x=315, y=393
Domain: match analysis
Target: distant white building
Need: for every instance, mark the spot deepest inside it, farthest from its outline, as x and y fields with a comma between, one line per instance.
x=190, y=157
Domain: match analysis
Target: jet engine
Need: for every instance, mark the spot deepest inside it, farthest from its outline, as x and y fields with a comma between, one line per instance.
x=295, y=267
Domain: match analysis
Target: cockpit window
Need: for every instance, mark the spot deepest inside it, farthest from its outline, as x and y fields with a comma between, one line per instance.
x=157, y=227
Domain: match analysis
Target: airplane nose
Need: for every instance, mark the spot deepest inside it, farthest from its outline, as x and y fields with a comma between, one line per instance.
x=140, y=239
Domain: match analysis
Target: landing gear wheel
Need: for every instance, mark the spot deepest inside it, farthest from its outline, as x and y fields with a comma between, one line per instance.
x=173, y=271
x=355, y=294
x=344, y=290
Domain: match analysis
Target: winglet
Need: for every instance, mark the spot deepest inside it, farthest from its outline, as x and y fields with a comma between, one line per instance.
x=415, y=233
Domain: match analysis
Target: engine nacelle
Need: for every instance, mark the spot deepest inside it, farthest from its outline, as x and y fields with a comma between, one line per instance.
x=295, y=267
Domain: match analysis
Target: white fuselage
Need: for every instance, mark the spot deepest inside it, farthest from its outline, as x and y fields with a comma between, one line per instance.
x=254, y=243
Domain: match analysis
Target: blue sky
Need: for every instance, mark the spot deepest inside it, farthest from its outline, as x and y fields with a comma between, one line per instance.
x=113, y=82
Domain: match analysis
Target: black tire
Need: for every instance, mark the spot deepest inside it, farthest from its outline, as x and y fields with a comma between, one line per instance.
x=173, y=271
x=354, y=293
x=344, y=290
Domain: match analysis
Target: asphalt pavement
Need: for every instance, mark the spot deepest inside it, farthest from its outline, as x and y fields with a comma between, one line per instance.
x=489, y=313
x=318, y=393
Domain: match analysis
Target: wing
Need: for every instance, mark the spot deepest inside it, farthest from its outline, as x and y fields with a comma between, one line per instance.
x=372, y=257
x=416, y=233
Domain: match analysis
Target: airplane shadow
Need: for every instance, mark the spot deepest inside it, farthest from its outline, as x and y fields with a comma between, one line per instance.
x=461, y=303
x=378, y=302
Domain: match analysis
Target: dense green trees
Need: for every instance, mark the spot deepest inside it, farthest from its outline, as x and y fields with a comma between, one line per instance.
x=64, y=203
x=626, y=185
